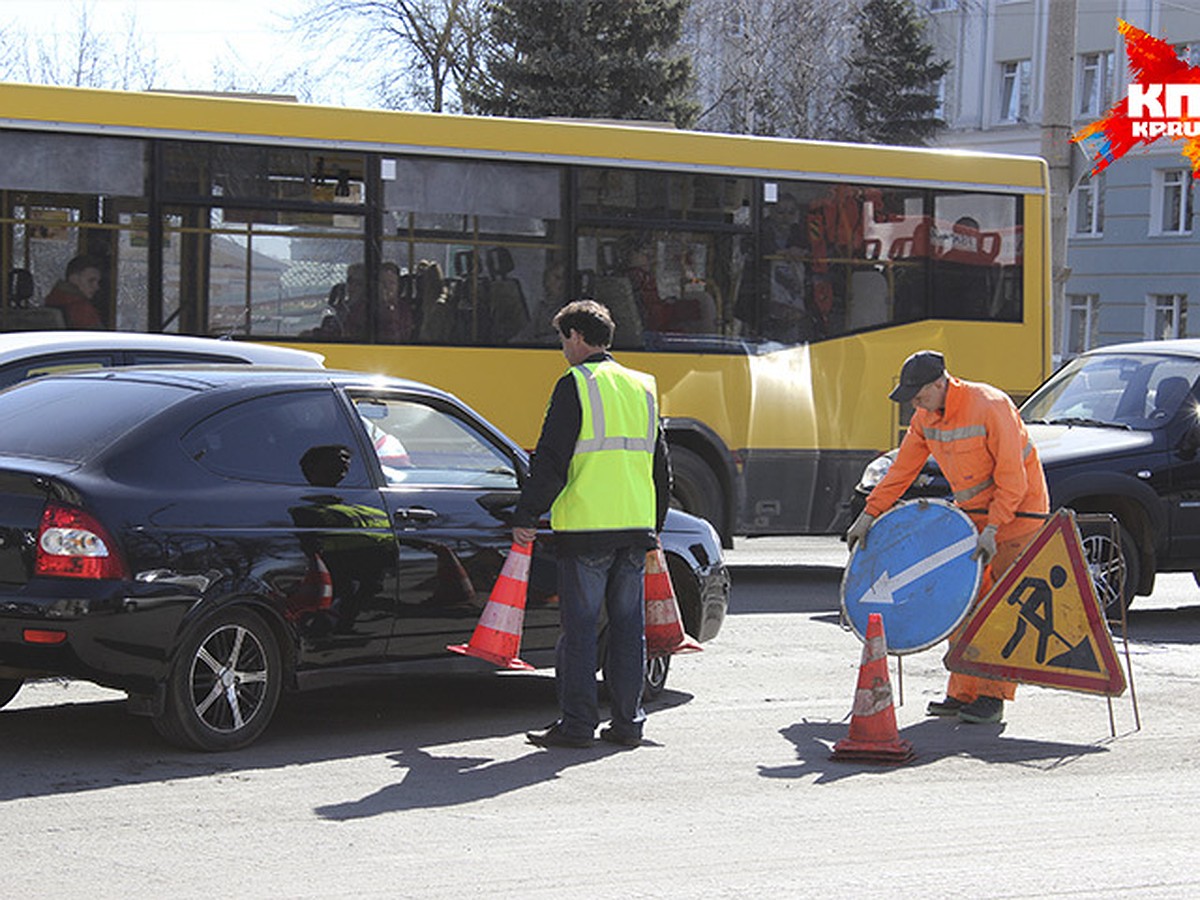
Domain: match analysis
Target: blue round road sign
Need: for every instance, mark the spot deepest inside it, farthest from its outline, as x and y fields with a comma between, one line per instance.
x=915, y=570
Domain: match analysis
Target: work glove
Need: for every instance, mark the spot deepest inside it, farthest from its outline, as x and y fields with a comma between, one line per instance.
x=985, y=546
x=858, y=531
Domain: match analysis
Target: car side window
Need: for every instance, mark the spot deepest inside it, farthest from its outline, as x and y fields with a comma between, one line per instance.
x=58, y=364
x=266, y=438
x=422, y=443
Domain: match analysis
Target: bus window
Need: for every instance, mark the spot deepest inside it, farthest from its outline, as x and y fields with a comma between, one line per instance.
x=490, y=228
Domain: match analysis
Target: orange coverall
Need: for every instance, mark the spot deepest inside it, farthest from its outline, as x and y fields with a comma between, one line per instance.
x=993, y=468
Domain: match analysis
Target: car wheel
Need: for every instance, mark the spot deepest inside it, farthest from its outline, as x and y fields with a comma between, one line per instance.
x=224, y=684
x=9, y=688
x=1116, y=570
x=657, y=668
x=696, y=488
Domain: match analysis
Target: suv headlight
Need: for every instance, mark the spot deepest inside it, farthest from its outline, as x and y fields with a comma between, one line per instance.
x=874, y=472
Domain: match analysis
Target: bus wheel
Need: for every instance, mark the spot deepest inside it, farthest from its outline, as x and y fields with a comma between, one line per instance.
x=696, y=488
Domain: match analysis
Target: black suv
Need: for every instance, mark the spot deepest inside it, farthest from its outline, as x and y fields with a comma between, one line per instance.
x=1118, y=432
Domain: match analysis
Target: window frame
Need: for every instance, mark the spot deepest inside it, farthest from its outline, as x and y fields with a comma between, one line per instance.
x=1015, y=78
x=1156, y=304
x=1165, y=182
x=1090, y=189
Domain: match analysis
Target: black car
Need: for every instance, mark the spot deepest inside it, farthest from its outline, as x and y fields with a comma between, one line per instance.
x=205, y=537
x=1117, y=431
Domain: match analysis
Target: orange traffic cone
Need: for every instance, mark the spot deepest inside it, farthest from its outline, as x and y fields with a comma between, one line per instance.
x=873, y=736
x=664, y=630
x=497, y=637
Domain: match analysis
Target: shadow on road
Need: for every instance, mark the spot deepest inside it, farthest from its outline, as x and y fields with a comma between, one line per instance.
x=932, y=740
x=75, y=747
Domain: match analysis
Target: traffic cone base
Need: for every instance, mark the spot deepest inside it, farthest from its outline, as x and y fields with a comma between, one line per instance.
x=873, y=736
x=664, y=628
x=497, y=636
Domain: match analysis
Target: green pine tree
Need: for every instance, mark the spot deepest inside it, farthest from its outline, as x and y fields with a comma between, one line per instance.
x=892, y=95
x=613, y=59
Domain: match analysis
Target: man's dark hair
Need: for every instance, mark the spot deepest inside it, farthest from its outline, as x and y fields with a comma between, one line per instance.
x=79, y=263
x=589, y=318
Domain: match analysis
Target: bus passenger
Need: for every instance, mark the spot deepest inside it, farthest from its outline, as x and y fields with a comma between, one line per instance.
x=977, y=437
x=73, y=295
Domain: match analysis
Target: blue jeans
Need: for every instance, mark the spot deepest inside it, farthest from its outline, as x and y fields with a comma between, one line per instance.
x=586, y=583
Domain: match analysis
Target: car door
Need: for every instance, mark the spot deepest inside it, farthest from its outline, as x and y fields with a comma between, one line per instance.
x=296, y=503
x=449, y=485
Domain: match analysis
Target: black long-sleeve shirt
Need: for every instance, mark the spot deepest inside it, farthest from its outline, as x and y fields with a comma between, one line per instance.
x=548, y=474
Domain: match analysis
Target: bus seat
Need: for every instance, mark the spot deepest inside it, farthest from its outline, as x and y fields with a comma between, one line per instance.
x=507, y=311
x=32, y=318
x=616, y=292
x=436, y=304
x=20, y=287
x=868, y=303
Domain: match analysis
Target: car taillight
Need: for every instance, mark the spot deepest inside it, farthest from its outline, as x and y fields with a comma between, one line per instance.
x=72, y=543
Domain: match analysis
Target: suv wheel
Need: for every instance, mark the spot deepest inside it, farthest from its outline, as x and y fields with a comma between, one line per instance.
x=1115, y=566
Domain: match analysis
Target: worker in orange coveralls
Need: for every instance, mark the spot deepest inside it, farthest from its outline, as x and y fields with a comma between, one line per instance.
x=977, y=437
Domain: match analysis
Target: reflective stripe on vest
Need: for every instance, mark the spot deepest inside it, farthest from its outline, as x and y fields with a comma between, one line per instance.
x=967, y=493
x=610, y=480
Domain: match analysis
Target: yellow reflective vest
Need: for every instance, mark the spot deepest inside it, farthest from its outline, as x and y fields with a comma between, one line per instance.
x=610, y=479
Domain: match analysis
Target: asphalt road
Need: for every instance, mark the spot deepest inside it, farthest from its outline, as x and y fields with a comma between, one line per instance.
x=425, y=787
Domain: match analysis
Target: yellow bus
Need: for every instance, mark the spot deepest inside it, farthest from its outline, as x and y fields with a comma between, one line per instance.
x=772, y=286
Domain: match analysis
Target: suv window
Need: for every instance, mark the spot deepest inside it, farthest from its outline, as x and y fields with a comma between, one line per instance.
x=55, y=364
x=1138, y=391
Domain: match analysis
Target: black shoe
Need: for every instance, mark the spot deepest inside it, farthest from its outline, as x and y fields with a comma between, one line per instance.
x=615, y=737
x=982, y=711
x=948, y=707
x=555, y=736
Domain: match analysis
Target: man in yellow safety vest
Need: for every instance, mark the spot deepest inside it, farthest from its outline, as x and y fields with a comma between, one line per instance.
x=601, y=468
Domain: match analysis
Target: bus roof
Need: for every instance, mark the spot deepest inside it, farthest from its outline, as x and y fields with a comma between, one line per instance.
x=252, y=120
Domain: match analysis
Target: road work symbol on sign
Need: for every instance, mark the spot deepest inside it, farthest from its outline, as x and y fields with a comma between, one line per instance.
x=916, y=571
x=1041, y=622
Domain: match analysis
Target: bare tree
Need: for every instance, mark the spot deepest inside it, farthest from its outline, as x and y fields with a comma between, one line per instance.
x=419, y=51
x=90, y=54
x=772, y=67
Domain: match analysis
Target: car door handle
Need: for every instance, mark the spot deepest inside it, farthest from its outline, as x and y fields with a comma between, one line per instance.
x=414, y=514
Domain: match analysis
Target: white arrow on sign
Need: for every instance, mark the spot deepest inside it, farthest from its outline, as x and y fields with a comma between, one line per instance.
x=881, y=591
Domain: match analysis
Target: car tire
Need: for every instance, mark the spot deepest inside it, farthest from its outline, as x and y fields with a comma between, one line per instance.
x=1109, y=568
x=224, y=684
x=657, y=668
x=8, y=689
x=697, y=489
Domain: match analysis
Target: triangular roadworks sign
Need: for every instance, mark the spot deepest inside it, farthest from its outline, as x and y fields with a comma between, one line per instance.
x=1041, y=622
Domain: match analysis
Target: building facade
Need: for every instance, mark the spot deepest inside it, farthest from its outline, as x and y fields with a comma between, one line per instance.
x=1133, y=248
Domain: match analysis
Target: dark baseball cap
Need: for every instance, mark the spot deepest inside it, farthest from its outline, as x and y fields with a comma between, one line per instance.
x=918, y=370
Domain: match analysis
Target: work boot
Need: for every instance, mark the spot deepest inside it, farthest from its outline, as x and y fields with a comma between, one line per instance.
x=982, y=710
x=947, y=707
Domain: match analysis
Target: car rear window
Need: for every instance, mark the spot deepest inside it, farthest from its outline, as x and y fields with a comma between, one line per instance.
x=72, y=419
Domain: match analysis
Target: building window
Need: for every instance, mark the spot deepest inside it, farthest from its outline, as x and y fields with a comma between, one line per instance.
x=1166, y=316
x=1088, y=208
x=942, y=5
x=1095, y=82
x=1171, y=202
x=1014, y=91
x=1081, y=324
x=1188, y=53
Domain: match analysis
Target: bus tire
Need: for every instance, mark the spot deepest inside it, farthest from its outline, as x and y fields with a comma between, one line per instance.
x=697, y=489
